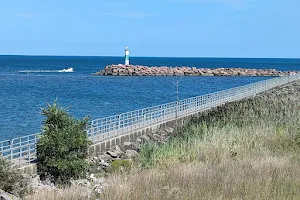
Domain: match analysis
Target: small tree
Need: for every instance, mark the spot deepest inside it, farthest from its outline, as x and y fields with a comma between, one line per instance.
x=63, y=147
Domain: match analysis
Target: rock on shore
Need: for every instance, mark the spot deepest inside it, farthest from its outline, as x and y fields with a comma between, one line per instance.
x=137, y=70
x=7, y=196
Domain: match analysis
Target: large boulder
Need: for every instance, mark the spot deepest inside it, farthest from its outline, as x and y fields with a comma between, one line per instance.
x=113, y=154
x=104, y=158
x=131, y=145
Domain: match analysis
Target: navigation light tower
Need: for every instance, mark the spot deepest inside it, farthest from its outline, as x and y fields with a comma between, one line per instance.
x=126, y=56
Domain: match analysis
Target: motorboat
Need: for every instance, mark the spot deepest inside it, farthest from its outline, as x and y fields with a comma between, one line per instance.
x=70, y=69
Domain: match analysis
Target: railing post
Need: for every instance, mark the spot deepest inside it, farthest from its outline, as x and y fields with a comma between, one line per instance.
x=10, y=148
x=29, y=156
x=119, y=122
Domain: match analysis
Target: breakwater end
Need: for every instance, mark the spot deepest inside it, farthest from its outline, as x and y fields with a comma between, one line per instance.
x=138, y=70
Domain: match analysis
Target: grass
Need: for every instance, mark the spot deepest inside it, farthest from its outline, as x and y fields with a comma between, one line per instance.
x=245, y=150
x=242, y=129
x=266, y=177
x=71, y=193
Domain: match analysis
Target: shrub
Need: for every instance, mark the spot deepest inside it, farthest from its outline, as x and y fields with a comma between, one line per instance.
x=145, y=158
x=11, y=180
x=63, y=147
x=120, y=166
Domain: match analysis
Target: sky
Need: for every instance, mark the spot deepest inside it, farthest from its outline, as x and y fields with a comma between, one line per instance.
x=158, y=28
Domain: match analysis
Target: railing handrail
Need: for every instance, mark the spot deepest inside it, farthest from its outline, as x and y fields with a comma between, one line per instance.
x=174, y=102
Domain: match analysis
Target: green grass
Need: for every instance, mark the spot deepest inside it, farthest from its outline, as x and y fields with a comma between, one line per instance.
x=239, y=129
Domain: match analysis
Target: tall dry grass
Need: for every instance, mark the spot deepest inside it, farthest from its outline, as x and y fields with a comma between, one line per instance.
x=265, y=177
x=245, y=150
x=70, y=193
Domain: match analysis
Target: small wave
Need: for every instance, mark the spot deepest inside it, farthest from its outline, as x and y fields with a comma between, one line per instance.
x=38, y=71
x=47, y=71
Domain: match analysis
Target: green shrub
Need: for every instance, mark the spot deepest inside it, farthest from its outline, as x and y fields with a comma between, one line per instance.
x=120, y=166
x=145, y=158
x=63, y=147
x=11, y=180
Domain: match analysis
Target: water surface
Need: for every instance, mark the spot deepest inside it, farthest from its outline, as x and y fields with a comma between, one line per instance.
x=23, y=95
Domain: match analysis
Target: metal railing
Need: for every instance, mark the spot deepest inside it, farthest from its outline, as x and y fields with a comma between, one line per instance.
x=22, y=150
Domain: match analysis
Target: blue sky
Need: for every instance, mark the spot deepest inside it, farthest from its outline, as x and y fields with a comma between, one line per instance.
x=188, y=28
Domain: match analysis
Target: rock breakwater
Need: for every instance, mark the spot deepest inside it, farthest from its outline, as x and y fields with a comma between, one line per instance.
x=137, y=70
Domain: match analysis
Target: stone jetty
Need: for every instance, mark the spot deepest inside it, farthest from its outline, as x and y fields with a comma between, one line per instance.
x=137, y=70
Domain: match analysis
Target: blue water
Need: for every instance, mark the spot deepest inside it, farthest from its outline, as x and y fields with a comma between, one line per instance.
x=23, y=95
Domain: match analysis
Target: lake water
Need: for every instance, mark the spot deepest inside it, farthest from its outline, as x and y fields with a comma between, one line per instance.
x=23, y=95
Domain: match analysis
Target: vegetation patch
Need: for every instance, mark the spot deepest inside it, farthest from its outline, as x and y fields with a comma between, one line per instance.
x=243, y=150
x=62, y=150
x=120, y=166
x=11, y=180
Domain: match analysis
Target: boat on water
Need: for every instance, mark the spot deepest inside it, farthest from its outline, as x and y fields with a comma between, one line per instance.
x=69, y=69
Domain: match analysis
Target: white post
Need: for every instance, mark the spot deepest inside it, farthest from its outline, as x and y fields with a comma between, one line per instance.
x=126, y=56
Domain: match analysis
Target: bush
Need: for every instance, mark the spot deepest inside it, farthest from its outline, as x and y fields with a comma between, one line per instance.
x=63, y=147
x=120, y=166
x=11, y=180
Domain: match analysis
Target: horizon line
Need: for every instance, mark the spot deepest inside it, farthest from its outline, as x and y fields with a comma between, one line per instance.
x=150, y=56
